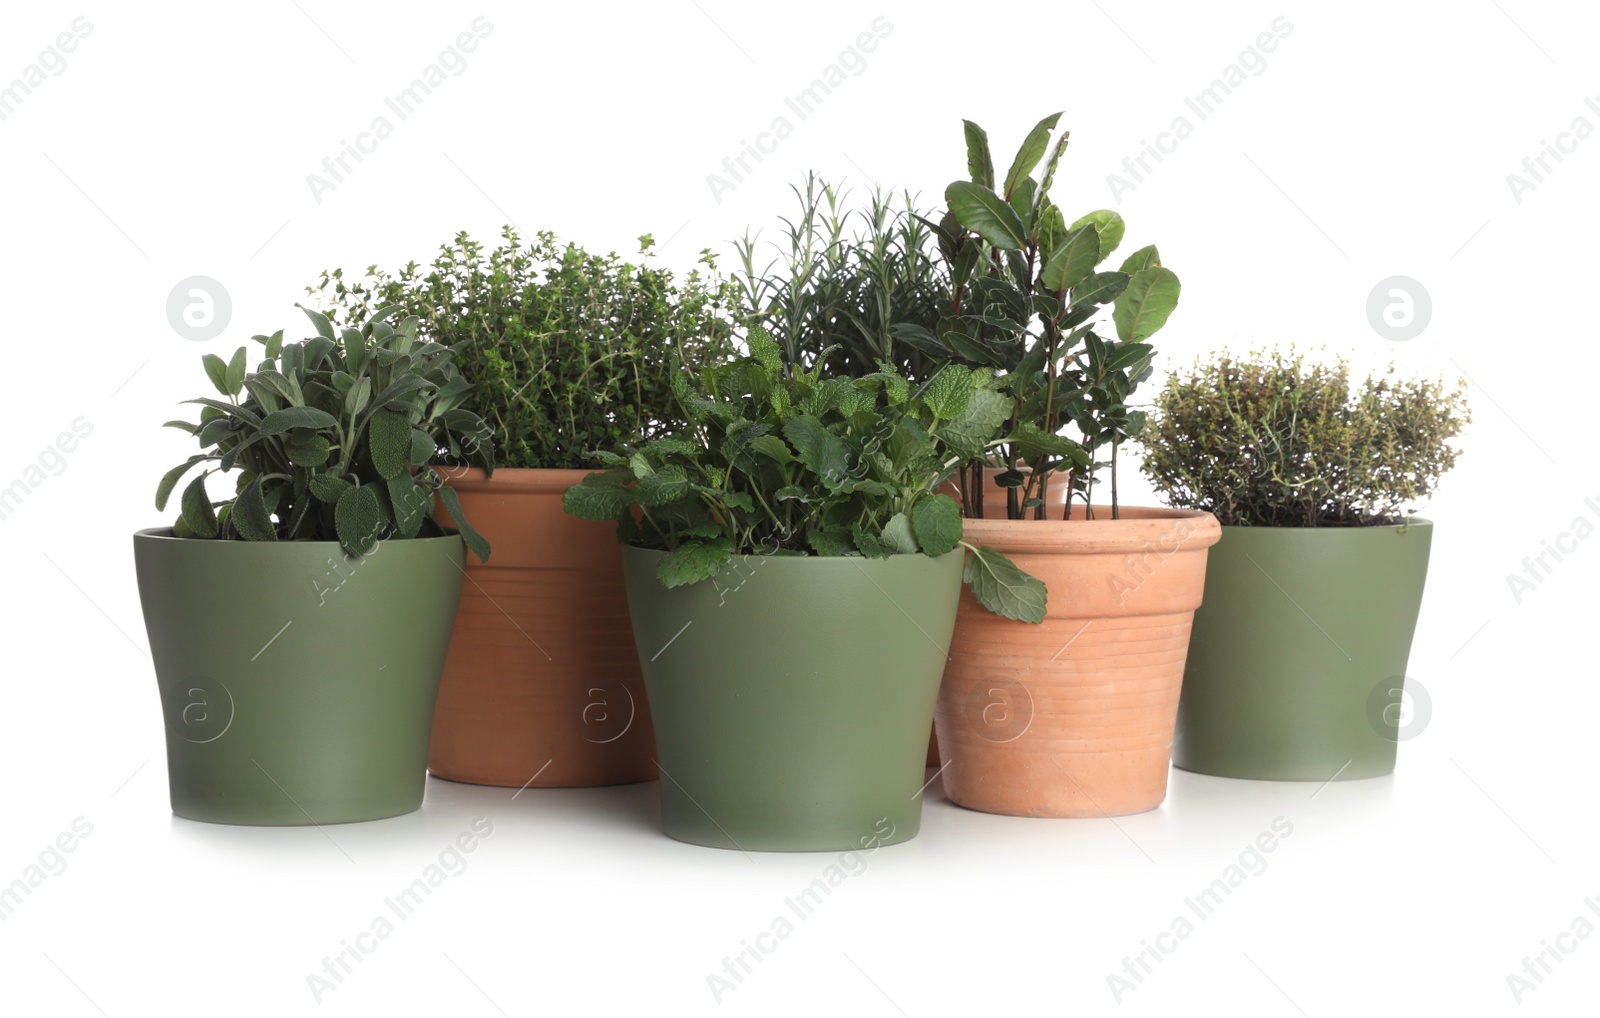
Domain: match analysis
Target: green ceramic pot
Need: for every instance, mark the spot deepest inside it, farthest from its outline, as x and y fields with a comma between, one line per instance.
x=1298, y=655
x=792, y=696
x=297, y=685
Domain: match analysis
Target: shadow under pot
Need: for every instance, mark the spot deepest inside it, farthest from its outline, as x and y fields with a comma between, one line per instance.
x=542, y=686
x=792, y=696
x=1297, y=664
x=1074, y=717
x=297, y=684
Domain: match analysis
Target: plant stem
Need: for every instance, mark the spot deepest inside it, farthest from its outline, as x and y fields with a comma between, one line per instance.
x=1116, y=513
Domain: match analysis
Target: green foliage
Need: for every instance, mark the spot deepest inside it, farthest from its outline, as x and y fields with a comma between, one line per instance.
x=569, y=352
x=781, y=462
x=1274, y=442
x=321, y=458
x=1026, y=298
x=851, y=288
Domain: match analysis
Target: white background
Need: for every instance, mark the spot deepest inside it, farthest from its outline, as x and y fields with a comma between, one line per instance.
x=1376, y=142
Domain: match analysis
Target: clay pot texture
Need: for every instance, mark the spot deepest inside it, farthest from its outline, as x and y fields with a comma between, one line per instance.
x=1074, y=717
x=792, y=696
x=994, y=508
x=297, y=686
x=541, y=687
x=1299, y=653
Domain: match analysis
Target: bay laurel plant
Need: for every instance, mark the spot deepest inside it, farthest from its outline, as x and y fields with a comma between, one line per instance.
x=568, y=351
x=1269, y=440
x=1028, y=292
x=780, y=461
x=851, y=286
x=332, y=437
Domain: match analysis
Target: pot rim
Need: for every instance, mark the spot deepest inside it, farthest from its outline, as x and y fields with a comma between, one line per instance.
x=633, y=549
x=537, y=480
x=1097, y=536
x=166, y=534
x=1409, y=521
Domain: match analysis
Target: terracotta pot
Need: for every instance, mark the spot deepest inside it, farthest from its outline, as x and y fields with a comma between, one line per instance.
x=994, y=497
x=994, y=508
x=541, y=686
x=1074, y=717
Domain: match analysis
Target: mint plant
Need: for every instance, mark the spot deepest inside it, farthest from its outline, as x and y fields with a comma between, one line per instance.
x=1026, y=299
x=333, y=437
x=779, y=461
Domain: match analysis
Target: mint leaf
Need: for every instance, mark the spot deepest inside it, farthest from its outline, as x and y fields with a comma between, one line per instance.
x=694, y=561
x=823, y=452
x=772, y=446
x=968, y=435
x=668, y=484
x=1003, y=588
x=764, y=349
x=897, y=535
x=949, y=392
x=871, y=546
x=596, y=501
x=830, y=540
x=937, y=519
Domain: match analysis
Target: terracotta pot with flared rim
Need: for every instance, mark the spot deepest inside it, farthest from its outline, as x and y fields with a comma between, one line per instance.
x=994, y=508
x=541, y=686
x=1074, y=717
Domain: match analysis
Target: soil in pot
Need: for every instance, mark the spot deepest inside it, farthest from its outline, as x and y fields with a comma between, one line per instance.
x=1299, y=653
x=1074, y=717
x=792, y=696
x=297, y=686
x=542, y=686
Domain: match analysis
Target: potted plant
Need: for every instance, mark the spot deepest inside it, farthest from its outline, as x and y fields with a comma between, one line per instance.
x=1073, y=718
x=1298, y=658
x=569, y=352
x=298, y=628
x=792, y=577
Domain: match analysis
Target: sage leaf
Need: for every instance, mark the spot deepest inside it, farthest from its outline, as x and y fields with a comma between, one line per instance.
x=198, y=514
x=357, y=517
x=389, y=442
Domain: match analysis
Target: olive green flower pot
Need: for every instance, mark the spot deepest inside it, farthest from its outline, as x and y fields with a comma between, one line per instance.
x=1298, y=654
x=792, y=696
x=297, y=686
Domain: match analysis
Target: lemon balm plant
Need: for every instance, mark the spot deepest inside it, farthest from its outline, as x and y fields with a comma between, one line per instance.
x=298, y=628
x=792, y=576
x=778, y=462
